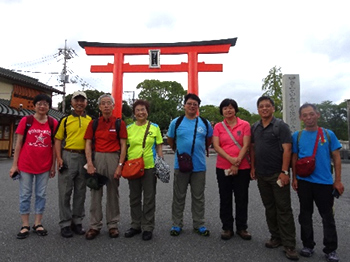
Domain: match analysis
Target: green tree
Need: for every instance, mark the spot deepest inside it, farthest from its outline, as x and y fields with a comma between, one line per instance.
x=334, y=117
x=211, y=112
x=165, y=98
x=272, y=84
x=92, y=106
x=244, y=114
x=126, y=110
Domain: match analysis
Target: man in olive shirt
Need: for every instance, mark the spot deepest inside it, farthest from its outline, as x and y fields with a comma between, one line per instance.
x=71, y=161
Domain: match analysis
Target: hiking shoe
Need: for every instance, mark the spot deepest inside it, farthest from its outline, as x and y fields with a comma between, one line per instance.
x=66, y=232
x=306, y=252
x=244, y=234
x=291, y=253
x=78, y=229
x=147, y=235
x=175, y=231
x=332, y=257
x=273, y=243
x=226, y=234
x=203, y=231
x=132, y=232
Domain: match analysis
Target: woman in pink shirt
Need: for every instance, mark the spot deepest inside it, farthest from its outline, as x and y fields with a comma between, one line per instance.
x=232, y=169
x=33, y=160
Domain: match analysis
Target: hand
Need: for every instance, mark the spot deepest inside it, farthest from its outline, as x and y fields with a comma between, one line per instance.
x=235, y=161
x=285, y=179
x=339, y=186
x=295, y=184
x=52, y=171
x=252, y=174
x=59, y=163
x=234, y=170
x=13, y=170
x=91, y=169
x=118, y=172
x=238, y=161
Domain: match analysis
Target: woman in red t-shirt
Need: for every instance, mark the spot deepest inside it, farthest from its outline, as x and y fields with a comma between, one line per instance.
x=33, y=160
x=232, y=169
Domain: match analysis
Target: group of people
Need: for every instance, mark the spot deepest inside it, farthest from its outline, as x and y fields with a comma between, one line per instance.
x=264, y=152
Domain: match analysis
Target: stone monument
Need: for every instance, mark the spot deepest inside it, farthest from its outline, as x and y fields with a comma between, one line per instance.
x=291, y=101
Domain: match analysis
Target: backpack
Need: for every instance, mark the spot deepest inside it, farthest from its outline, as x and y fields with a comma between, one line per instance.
x=205, y=121
x=275, y=130
x=29, y=123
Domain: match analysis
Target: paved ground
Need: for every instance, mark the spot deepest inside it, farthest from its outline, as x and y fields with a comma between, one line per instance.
x=187, y=247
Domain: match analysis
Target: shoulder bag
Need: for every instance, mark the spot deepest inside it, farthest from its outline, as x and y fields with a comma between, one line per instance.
x=135, y=168
x=305, y=166
x=184, y=159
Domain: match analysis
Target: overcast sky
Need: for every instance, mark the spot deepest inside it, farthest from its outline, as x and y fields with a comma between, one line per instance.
x=309, y=38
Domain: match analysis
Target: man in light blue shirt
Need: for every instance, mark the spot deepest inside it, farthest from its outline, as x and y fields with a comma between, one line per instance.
x=319, y=186
x=192, y=135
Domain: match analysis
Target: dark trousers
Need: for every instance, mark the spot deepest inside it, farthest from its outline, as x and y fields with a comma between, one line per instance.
x=238, y=185
x=278, y=209
x=322, y=196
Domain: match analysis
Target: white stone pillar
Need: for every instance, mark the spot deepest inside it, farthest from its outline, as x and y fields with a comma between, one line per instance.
x=291, y=101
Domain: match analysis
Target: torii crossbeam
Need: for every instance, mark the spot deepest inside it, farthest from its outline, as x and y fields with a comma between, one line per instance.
x=192, y=67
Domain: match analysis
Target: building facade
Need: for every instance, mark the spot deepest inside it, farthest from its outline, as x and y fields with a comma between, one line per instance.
x=17, y=92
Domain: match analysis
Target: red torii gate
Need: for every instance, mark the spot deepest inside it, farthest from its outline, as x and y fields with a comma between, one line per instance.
x=118, y=68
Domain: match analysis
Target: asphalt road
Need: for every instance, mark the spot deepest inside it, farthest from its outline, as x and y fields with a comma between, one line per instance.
x=187, y=247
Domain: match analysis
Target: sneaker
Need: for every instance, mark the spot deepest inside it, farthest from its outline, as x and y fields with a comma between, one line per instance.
x=273, y=243
x=306, y=252
x=226, y=234
x=203, y=231
x=332, y=257
x=175, y=231
x=291, y=253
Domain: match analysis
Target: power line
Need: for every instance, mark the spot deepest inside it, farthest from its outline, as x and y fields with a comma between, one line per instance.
x=64, y=77
x=33, y=72
x=34, y=62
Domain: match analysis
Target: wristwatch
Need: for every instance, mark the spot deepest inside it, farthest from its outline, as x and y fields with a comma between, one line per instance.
x=285, y=172
x=120, y=164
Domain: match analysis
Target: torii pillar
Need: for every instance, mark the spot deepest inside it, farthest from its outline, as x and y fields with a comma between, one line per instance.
x=192, y=67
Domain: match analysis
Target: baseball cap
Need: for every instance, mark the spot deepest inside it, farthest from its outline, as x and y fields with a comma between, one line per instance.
x=79, y=93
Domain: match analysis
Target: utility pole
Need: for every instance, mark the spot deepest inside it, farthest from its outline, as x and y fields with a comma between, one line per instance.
x=67, y=54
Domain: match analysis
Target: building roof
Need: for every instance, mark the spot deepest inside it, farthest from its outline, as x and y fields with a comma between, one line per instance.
x=231, y=41
x=23, y=79
x=5, y=109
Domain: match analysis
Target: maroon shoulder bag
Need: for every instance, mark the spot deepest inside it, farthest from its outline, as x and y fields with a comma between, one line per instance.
x=306, y=165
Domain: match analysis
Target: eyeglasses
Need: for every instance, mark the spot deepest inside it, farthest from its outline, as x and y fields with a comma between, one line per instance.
x=264, y=106
x=108, y=103
x=42, y=104
x=192, y=104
